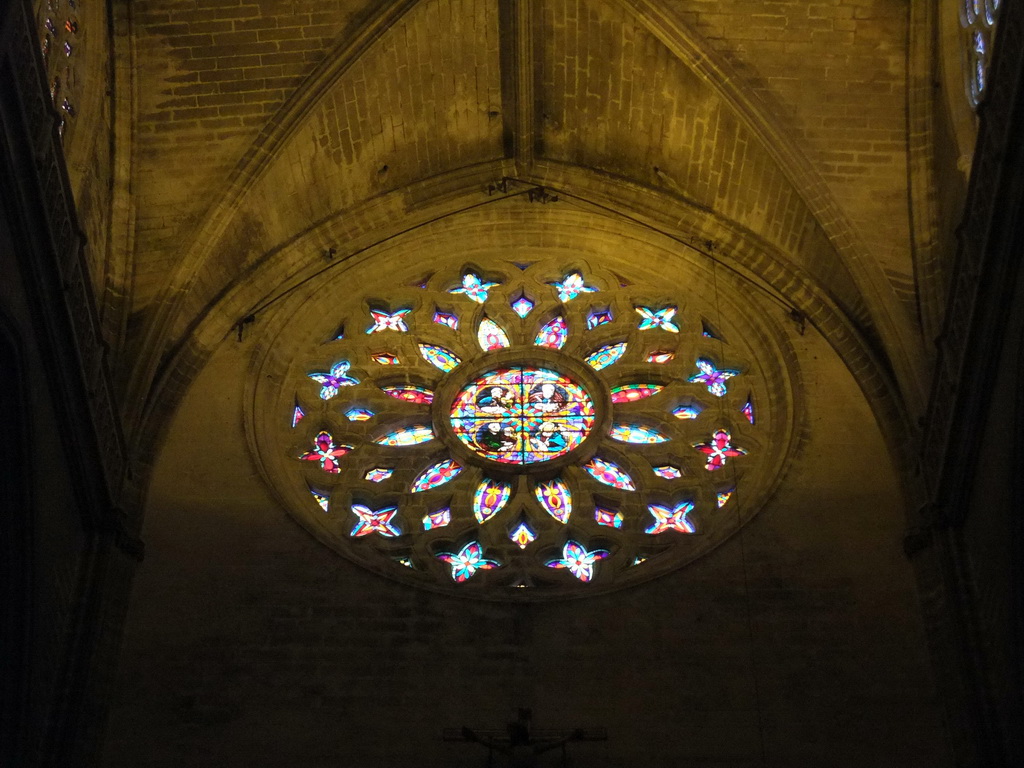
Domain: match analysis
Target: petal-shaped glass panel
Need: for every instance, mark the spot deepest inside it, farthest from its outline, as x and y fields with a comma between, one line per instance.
x=491, y=336
x=420, y=433
x=634, y=433
x=609, y=473
x=555, y=498
x=606, y=355
x=490, y=497
x=628, y=393
x=410, y=394
x=553, y=334
x=437, y=474
x=440, y=357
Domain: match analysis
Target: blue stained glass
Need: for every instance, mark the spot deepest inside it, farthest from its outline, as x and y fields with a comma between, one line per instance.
x=522, y=306
x=553, y=334
x=440, y=357
x=606, y=355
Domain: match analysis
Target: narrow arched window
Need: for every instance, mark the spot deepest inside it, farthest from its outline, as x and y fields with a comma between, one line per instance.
x=61, y=40
x=978, y=19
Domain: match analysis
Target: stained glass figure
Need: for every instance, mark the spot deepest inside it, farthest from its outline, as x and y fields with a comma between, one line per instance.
x=522, y=415
x=490, y=497
x=468, y=561
x=358, y=414
x=438, y=519
x=606, y=355
x=711, y=377
x=608, y=517
x=668, y=472
x=522, y=534
x=630, y=393
x=322, y=499
x=674, y=519
x=578, y=560
x=378, y=474
x=474, y=288
x=634, y=433
x=297, y=415
x=596, y=317
x=572, y=286
x=718, y=450
x=326, y=452
x=385, y=359
x=610, y=474
x=388, y=321
x=414, y=435
x=687, y=411
x=724, y=496
x=748, y=409
x=657, y=318
x=660, y=357
x=522, y=306
x=375, y=521
x=437, y=474
x=440, y=357
x=555, y=498
x=410, y=393
x=491, y=336
x=553, y=334
x=333, y=380
x=447, y=319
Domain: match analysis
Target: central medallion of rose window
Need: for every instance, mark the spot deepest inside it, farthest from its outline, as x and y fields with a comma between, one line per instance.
x=522, y=415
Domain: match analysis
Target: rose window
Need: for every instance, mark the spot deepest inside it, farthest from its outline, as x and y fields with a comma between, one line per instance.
x=523, y=430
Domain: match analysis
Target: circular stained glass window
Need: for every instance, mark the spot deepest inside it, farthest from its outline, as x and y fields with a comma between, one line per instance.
x=526, y=432
x=522, y=415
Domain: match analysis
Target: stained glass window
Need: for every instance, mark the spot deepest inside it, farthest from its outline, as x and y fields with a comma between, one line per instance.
x=628, y=393
x=668, y=472
x=522, y=534
x=657, y=318
x=571, y=286
x=489, y=499
x=447, y=319
x=578, y=560
x=674, y=519
x=326, y=452
x=549, y=435
x=660, y=357
x=978, y=18
x=686, y=412
x=555, y=498
x=388, y=321
x=596, y=317
x=522, y=306
x=474, y=288
x=468, y=561
x=610, y=474
x=334, y=379
x=437, y=474
x=748, y=409
x=379, y=521
x=712, y=377
x=605, y=356
x=411, y=394
x=634, y=433
x=718, y=450
x=491, y=336
x=438, y=519
x=553, y=334
x=440, y=357
x=321, y=498
x=608, y=517
x=407, y=436
x=522, y=415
